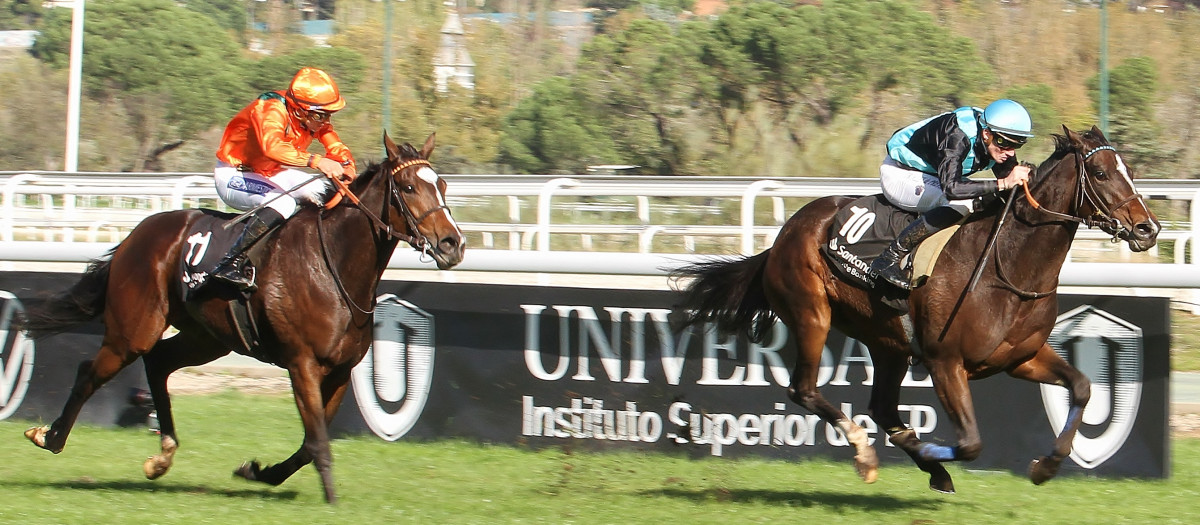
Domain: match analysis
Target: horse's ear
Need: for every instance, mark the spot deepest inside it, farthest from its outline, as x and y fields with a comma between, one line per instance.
x=1096, y=131
x=1075, y=138
x=427, y=149
x=393, y=152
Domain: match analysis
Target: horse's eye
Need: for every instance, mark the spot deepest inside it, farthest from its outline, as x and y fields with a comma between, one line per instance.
x=1101, y=175
x=408, y=188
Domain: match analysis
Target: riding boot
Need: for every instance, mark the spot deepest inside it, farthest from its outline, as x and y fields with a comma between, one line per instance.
x=887, y=266
x=231, y=269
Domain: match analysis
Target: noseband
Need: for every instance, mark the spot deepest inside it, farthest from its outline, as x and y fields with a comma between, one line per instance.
x=412, y=236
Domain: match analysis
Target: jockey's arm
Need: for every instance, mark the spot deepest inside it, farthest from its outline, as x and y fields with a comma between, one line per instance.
x=955, y=185
x=337, y=150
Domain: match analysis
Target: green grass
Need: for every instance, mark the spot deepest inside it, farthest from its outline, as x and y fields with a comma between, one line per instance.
x=98, y=480
x=1185, y=341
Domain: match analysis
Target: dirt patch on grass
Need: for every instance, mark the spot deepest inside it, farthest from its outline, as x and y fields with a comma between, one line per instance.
x=193, y=382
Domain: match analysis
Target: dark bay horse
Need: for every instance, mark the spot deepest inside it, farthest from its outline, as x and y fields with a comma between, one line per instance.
x=317, y=277
x=961, y=334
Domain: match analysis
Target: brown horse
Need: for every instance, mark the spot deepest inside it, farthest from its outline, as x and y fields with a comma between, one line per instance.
x=959, y=333
x=317, y=277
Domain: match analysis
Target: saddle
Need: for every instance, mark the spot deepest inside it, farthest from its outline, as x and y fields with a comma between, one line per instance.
x=207, y=241
x=863, y=228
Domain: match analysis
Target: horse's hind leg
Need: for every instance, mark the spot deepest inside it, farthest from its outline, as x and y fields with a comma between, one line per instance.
x=188, y=348
x=1050, y=368
x=112, y=357
x=809, y=321
x=885, y=397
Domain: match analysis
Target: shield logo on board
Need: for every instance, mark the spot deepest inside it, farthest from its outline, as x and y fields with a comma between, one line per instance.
x=392, y=382
x=16, y=357
x=1109, y=351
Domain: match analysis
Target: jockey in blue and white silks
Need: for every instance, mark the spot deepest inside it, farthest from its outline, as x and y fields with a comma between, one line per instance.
x=928, y=165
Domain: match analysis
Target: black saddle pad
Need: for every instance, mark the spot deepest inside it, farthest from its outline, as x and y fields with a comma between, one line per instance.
x=206, y=242
x=859, y=233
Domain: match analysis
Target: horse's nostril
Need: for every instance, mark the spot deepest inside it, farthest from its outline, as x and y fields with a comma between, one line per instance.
x=449, y=243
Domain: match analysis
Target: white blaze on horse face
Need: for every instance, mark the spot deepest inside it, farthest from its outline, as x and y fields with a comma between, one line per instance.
x=428, y=175
x=1124, y=171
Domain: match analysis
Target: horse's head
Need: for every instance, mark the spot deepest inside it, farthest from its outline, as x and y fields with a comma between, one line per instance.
x=1106, y=195
x=418, y=194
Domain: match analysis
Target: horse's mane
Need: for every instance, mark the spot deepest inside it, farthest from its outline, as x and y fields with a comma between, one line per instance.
x=407, y=151
x=1063, y=147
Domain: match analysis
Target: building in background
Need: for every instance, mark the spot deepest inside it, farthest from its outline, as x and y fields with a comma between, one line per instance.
x=453, y=63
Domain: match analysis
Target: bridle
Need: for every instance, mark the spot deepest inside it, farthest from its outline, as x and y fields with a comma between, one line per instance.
x=1085, y=191
x=1102, y=215
x=412, y=236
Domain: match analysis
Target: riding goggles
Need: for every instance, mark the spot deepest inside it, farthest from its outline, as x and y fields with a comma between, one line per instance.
x=1006, y=142
x=319, y=116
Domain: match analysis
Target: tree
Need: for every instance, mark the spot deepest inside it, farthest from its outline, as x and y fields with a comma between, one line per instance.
x=551, y=131
x=229, y=14
x=1133, y=90
x=759, y=89
x=174, y=71
x=20, y=14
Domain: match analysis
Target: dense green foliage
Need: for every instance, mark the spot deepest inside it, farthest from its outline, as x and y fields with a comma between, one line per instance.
x=19, y=14
x=174, y=71
x=765, y=89
x=682, y=102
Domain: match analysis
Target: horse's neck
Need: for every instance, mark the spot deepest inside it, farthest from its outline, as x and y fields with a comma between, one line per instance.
x=351, y=237
x=1035, y=237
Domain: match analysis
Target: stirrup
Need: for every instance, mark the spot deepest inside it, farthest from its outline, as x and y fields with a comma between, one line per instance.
x=238, y=274
x=897, y=276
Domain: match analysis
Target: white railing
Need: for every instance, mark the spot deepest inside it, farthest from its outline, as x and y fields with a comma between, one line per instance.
x=103, y=207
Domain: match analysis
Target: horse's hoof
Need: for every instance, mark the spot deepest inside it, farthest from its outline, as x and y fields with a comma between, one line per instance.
x=1042, y=470
x=941, y=483
x=155, y=467
x=249, y=470
x=867, y=466
x=38, y=436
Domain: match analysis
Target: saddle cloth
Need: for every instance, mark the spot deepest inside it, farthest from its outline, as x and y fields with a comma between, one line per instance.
x=206, y=242
x=863, y=228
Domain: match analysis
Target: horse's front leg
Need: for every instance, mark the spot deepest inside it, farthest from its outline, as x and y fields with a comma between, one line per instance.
x=950, y=384
x=1050, y=368
x=890, y=370
x=311, y=401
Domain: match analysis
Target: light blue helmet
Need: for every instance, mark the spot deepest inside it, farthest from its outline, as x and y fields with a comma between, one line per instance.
x=1007, y=117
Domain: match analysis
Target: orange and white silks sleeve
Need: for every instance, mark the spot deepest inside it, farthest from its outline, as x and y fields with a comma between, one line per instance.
x=334, y=148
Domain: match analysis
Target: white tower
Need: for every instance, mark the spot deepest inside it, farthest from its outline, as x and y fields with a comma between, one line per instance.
x=452, y=63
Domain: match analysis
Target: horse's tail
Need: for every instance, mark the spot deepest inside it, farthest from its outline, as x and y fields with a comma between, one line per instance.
x=728, y=292
x=82, y=302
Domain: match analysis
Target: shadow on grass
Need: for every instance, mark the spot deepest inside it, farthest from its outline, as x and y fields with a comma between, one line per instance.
x=155, y=486
x=823, y=499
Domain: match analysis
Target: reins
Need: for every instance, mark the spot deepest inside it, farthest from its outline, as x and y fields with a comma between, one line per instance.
x=1101, y=216
x=416, y=241
x=1085, y=190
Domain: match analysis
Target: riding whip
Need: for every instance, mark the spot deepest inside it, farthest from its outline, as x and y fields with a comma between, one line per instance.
x=991, y=241
x=267, y=202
